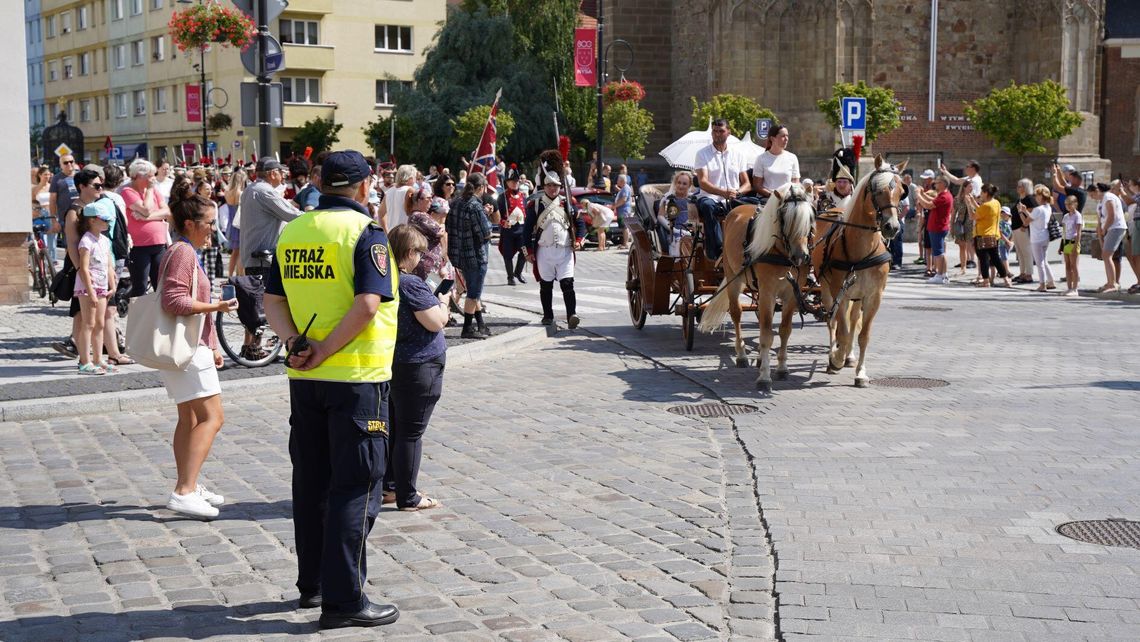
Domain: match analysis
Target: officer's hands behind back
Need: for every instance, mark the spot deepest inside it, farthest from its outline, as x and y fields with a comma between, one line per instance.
x=309, y=358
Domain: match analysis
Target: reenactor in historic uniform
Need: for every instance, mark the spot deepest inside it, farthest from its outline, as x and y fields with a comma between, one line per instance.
x=511, y=205
x=553, y=231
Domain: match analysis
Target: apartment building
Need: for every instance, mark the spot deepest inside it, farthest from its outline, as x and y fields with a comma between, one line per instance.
x=112, y=66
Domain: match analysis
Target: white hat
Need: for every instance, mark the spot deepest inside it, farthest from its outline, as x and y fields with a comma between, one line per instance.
x=927, y=173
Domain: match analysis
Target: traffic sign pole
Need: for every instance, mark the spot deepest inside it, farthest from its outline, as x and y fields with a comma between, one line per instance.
x=263, y=132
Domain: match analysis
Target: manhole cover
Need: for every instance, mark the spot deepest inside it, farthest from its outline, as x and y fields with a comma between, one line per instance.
x=909, y=382
x=1107, y=532
x=926, y=308
x=713, y=409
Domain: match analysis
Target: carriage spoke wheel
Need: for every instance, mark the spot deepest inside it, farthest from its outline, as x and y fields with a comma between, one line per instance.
x=635, y=291
x=689, y=318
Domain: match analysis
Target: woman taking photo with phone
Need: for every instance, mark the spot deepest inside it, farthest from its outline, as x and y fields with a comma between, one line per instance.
x=417, y=371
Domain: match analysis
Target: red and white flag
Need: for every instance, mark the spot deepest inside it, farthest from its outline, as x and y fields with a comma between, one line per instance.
x=484, y=156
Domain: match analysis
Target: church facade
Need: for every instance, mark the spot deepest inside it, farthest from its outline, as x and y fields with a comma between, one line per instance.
x=935, y=54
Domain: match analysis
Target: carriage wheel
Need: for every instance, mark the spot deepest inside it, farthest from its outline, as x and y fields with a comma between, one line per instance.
x=635, y=291
x=689, y=319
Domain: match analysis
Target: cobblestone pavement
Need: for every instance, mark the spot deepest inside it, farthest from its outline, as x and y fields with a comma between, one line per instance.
x=579, y=510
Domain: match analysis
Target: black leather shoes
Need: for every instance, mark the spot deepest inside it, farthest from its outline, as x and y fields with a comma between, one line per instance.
x=370, y=615
x=519, y=277
x=309, y=600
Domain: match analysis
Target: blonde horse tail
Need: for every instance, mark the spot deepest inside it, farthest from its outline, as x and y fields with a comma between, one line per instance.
x=713, y=315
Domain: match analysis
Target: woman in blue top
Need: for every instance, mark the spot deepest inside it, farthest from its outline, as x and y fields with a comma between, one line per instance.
x=417, y=371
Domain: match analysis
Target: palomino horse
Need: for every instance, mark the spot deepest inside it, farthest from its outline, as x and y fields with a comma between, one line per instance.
x=852, y=260
x=779, y=242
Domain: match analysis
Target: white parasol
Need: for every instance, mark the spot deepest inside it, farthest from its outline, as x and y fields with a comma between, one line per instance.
x=682, y=153
x=749, y=149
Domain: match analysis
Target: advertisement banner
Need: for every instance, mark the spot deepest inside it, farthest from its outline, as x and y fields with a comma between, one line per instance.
x=194, y=103
x=585, y=58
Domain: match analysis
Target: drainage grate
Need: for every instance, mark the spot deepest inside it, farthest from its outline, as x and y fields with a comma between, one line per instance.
x=1108, y=532
x=713, y=409
x=925, y=308
x=909, y=382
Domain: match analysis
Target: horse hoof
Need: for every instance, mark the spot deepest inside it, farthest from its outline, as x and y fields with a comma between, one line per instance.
x=849, y=362
x=861, y=382
x=781, y=374
x=742, y=362
x=764, y=386
x=832, y=369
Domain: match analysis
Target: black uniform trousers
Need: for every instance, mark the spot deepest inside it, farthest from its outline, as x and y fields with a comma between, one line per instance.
x=338, y=443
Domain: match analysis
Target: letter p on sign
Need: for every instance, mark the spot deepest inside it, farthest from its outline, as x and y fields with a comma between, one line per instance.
x=853, y=113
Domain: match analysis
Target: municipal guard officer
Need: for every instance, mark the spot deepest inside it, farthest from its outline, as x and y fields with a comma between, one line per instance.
x=333, y=270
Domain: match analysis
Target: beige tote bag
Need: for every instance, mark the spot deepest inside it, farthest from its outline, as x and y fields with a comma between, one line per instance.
x=158, y=339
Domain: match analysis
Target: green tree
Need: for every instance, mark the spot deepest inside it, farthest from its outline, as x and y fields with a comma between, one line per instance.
x=882, y=108
x=378, y=133
x=468, y=128
x=628, y=126
x=544, y=31
x=319, y=133
x=741, y=112
x=1020, y=119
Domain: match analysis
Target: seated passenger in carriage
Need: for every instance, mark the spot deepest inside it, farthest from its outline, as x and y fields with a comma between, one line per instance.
x=839, y=189
x=673, y=214
x=775, y=167
x=720, y=173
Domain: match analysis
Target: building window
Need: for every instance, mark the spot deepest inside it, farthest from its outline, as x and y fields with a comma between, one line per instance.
x=301, y=90
x=159, y=100
x=393, y=38
x=120, y=105
x=140, y=101
x=137, y=53
x=70, y=109
x=119, y=56
x=387, y=90
x=53, y=71
x=81, y=18
x=299, y=32
x=158, y=48
x=208, y=100
x=68, y=68
x=50, y=22
x=155, y=5
x=65, y=22
x=84, y=111
x=116, y=9
x=136, y=7
x=85, y=63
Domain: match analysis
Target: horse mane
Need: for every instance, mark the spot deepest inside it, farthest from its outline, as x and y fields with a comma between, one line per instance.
x=767, y=230
x=882, y=180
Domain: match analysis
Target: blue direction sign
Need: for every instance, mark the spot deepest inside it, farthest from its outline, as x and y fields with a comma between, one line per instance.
x=211, y=147
x=853, y=113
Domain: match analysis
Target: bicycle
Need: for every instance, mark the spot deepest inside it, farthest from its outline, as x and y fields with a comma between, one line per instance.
x=41, y=266
x=250, y=348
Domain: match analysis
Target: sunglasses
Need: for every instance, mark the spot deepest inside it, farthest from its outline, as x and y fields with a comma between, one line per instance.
x=449, y=184
x=98, y=186
x=70, y=162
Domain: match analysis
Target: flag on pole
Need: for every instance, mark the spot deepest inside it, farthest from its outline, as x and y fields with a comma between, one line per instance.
x=484, y=156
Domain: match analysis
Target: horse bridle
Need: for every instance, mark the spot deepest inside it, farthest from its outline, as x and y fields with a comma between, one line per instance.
x=792, y=199
x=880, y=217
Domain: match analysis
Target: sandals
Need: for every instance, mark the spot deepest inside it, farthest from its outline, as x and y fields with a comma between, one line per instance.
x=980, y=284
x=121, y=360
x=424, y=504
x=108, y=368
x=91, y=369
x=1107, y=288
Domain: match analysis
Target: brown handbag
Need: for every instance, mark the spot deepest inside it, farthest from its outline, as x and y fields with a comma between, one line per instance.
x=985, y=242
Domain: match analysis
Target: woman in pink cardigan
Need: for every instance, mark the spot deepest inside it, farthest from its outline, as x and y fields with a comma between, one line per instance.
x=195, y=390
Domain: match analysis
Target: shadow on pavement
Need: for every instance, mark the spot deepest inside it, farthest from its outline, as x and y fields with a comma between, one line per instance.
x=196, y=622
x=46, y=516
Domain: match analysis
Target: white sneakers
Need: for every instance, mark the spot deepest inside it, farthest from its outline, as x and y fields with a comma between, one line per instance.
x=938, y=279
x=201, y=503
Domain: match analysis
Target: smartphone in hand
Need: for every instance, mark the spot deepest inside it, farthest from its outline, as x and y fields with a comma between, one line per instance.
x=444, y=286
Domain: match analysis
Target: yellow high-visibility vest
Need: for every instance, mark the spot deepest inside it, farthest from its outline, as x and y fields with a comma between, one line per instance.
x=315, y=255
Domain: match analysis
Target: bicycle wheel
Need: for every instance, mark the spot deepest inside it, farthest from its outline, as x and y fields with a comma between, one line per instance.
x=50, y=272
x=36, y=266
x=231, y=338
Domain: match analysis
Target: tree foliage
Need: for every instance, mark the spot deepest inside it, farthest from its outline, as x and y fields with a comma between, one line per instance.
x=468, y=128
x=378, y=133
x=319, y=133
x=741, y=112
x=882, y=108
x=544, y=31
x=628, y=126
x=1020, y=119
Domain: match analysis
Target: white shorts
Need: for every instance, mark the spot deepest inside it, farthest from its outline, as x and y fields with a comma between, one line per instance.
x=555, y=263
x=198, y=380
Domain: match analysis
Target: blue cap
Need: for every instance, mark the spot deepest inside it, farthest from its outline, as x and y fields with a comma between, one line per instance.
x=103, y=208
x=341, y=169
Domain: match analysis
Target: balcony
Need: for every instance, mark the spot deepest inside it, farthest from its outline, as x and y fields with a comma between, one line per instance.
x=297, y=113
x=310, y=6
x=309, y=57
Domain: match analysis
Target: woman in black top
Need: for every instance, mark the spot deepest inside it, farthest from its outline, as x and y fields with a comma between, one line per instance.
x=1021, y=233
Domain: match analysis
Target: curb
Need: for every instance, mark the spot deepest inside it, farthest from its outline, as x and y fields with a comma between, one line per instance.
x=151, y=398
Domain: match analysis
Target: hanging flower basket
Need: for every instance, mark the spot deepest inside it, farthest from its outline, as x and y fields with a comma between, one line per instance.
x=621, y=91
x=208, y=22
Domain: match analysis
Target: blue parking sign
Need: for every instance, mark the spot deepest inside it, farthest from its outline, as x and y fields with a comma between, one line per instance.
x=763, y=126
x=853, y=113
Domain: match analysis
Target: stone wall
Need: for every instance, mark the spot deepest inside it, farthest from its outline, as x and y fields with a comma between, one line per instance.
x=1119, y=135
x=14, y=280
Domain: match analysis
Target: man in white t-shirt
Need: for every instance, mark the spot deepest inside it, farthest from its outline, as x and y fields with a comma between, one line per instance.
x=722, y=175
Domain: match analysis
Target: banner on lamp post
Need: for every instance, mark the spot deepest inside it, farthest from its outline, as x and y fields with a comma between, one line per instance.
x=194, y=103
x=585, y=58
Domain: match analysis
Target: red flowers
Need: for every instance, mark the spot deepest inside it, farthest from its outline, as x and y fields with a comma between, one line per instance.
x=621, y=91
x=209, y=22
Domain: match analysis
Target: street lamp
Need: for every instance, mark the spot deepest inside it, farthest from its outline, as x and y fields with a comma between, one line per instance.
x=603, y=53
x=201, y=89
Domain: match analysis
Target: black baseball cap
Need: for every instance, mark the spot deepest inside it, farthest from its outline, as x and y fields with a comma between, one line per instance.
x=344, y=168
x=268, y=163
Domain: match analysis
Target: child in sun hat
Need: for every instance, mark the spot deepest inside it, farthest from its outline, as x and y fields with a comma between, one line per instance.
x=94, y=283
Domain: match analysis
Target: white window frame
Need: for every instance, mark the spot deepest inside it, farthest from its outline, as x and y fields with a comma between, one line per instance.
x=116, y=9
x=138, y=53
x=159, y=100
x=138, y=101
x=122, y=104
x=65, y=22
x=50, y=23
x=289, y=36
x=158, y=48
x=387, y=93
x=53, y=70
x=207, y=99
x=68, y=68
x=155, y=5
x=119, y=56
x=82, y=18
x=136, y=7
x=84, y=110
x=387, y=46
x=85, y=63
x=291, y=85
